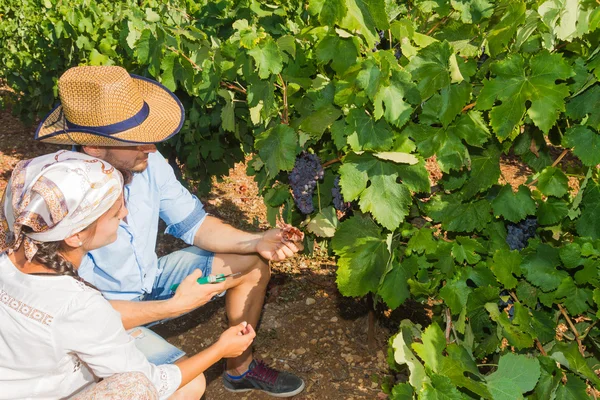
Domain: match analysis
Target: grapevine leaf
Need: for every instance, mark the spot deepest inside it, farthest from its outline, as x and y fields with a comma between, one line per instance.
x=455, y=293
x=516, y=374
x=451, y=153
x=568, y=355
x=539, y=268
x=325, y=223
x=576, y=299
x=585, y=143
x=513, y=206
x=465, y=249
x=510, y=19
x=574, y=389
x=460, y=367
x=453, y=99
x=422, y=242
x=167, y=64
x=318, y=121
x=476, y=311
x=397, y=157
x=228, y=111
x=278, y=147
x=268, y=58
x=364, y=133
x=434, y=343
x=362, y=250
x=473, y=11
x=518, y=337
x=485, y=171
x=397, y=111
x=388, y=201
x=506, y=266
x=415, y=177
x=585, y=104
x=566, y=19
x=440, y=388
x=514, y=87
x=587, y=224
x=570, y=255
x=553, y=182
x=364, y=16
x=330, y=11
x=431, y=68
x=596, y=297
x=471, y=128
x=394, y=289
x=552, y=211
x=465, y=217
x=342, y=52
x=404, y=355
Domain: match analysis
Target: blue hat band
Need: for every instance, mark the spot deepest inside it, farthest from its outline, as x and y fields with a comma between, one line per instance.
x=121, y=126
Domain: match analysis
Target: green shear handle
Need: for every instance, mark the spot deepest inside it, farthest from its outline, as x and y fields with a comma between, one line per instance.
x=209, y=279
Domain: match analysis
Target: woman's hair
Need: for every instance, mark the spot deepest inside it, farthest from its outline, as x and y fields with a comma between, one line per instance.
x=48, y=254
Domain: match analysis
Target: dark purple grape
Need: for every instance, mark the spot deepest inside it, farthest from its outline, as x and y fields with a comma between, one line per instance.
x=517, y=235
x=398, y=53
x=338, y=198
x=303, y=180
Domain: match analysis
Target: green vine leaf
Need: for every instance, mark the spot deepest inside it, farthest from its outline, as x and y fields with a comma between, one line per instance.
x=431, y=68
x=268, y=58
x=514, y=87
x=585, y=143
x=553, y=182
x=513, y=206
x=363, y=255
x=278, y=147
x=516, y=374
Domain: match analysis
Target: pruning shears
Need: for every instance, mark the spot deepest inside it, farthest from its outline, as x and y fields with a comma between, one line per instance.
x=209, y=279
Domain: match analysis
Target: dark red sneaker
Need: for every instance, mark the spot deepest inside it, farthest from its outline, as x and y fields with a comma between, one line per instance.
x=262, y=377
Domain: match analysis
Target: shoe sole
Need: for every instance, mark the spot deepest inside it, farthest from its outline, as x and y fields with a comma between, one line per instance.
x=288, y=394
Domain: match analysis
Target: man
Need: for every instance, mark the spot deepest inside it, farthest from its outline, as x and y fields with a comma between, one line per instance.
x=118, y=117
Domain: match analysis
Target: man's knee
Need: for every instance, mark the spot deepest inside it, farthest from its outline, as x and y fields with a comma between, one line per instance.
x=259, y=270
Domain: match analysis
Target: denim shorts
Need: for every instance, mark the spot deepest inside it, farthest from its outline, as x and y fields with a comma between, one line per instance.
x=173, y=268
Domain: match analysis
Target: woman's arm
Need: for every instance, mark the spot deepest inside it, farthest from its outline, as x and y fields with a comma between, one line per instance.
x=233, y=342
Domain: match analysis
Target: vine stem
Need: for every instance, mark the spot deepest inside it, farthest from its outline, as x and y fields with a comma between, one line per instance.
x=448, y=324
x=589, y=328
x=443, y=20
x=328, y=163
x=468, y=107
x=538, y=344
x=577, y=338
x=234, y=87
x=554, y=164
x=196, y=66
x=284, y=117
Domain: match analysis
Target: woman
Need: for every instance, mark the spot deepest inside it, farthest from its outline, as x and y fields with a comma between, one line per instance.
x=58, y=334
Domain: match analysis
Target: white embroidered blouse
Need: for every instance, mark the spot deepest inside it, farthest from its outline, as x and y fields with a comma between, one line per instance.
x=58, y=335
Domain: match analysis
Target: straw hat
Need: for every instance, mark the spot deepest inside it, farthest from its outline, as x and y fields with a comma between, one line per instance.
x=106, y=106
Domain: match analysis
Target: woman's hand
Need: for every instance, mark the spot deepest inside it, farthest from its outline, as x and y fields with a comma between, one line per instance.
x=235, y=340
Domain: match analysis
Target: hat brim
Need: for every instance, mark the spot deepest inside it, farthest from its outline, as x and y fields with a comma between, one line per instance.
x=164, y=120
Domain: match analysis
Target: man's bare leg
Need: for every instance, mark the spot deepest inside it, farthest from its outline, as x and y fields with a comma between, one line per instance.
x=245, y=296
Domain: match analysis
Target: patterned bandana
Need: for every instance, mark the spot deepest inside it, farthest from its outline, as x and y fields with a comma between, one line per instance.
x=56, y=195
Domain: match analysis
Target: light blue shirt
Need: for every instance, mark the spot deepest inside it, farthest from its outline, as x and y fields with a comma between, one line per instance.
x=126, y=269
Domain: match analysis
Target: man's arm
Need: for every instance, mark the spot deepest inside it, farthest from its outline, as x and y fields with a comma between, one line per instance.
x=189, y=296
x=217, y=236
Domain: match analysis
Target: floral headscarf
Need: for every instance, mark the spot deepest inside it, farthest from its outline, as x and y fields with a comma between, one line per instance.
x=56, y=195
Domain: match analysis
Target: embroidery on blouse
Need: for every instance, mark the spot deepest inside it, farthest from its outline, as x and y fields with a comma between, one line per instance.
x=164, y=379
x=28, y=311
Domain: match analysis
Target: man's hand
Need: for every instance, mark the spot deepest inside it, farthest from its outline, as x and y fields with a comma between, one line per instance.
x=191, y=295
x=275, y=245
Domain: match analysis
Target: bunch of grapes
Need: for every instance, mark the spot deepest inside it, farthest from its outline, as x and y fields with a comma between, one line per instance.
x=519, y=234
x=303, y=180
x=338, y=198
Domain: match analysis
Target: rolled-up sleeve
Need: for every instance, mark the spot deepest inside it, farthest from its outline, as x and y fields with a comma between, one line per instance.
x=182, y=211
x=92, y=329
